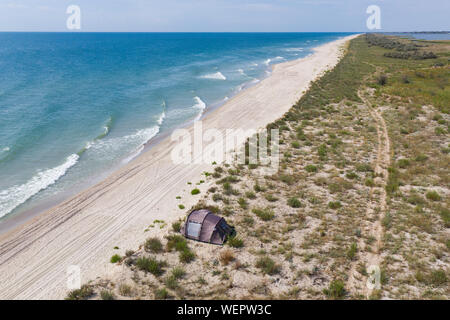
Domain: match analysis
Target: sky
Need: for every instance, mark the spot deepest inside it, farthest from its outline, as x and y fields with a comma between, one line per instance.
x=224, y=15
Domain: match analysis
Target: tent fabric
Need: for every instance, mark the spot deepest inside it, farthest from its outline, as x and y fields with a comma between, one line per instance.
x=203, y=225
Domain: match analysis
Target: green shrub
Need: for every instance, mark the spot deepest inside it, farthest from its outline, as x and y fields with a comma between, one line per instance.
x=311, y=168
x=178, y=272
x=403, y=163
x=336, y=290
x=270, y=197
x=125, y=290
x=129, y=253
x=151, y=265
x=294, y=203
x=161, y=294
x=295, y=144
x=369, y=182
x=416, y=199
x=242, y=203
x=195, y=191
x=351, y=253
x=268, y=266
x=250, y=195
x=153, y=245
x=363, y=167
x=421, y=158
x=387, y=220
x=115, y=258
x=439, y=131
x=322, y=151
x=235, y=242
x=171, y=282
x=287, y=179
x=176, y=226
x=258, y=188
x=106, y=295
x=217, y=197
x=351, y=175
x=176, y=242
x=228, y=189
x=438, y=277
x=186, y=255
x=252, y=166
x=445, y=215
x=181, y=206
x=83, y=293
x=264, y=214
x=433, y=196
x=392, y=183
x=334, y=205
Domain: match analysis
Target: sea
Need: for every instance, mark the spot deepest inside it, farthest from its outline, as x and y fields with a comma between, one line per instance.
x=76, y=106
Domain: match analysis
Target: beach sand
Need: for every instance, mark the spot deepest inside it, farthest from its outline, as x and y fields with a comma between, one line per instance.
x=84, y=230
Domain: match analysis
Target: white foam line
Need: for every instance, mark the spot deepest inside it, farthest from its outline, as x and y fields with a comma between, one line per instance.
x=145, y=135
x=199, y=105
x=16, y=195
x=214, y=76
x=163, y=114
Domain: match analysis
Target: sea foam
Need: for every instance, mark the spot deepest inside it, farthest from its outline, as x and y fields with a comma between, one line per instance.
x=201, y=106
x=16, y=195
x=163, y=114
x=215, y=76
x=268, y=61
x=294, y=49
x=89, y=144
x=141, y=137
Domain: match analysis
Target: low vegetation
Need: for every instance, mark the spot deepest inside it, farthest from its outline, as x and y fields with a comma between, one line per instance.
x=309, y=230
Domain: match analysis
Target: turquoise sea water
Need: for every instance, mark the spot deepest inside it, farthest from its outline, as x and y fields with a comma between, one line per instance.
x=75, y=105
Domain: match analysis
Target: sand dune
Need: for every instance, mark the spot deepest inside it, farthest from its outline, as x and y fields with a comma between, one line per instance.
x=84, y=229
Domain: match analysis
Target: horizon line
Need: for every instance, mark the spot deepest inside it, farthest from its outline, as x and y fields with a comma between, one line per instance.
x=70, y=31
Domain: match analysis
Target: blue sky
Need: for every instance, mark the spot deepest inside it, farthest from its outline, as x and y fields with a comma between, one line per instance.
x=224, y=15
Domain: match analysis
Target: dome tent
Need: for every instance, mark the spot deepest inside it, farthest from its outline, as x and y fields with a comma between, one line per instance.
x=203, y=225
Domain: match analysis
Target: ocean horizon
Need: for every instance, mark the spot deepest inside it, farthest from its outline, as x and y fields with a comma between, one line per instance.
x=73, y=106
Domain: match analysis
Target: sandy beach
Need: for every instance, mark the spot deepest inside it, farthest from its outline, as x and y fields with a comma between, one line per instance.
x=116, y=212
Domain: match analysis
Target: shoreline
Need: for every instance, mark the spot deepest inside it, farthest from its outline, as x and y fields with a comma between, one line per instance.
x=83, y=229
x=15, y=220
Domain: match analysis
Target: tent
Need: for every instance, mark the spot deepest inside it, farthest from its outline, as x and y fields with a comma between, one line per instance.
x=203, y=225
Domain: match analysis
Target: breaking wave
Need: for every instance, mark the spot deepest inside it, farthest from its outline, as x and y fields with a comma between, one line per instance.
x=16, y=195
x=140, y=138
x=241, y=71
x=201, y=106
x=163, y=114
x=268, y=61
x=215, y=76
x=294, y=49
x=105, y=132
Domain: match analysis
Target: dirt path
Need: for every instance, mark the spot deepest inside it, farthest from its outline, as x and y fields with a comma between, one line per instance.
x=376, y=209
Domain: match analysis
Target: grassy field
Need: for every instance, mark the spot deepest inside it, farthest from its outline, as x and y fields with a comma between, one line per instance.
x=345, y=195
